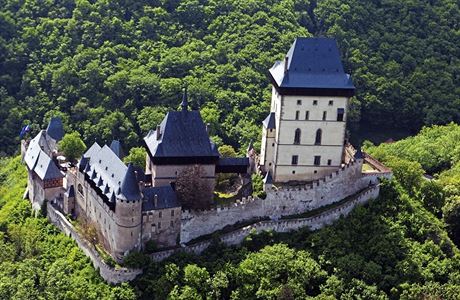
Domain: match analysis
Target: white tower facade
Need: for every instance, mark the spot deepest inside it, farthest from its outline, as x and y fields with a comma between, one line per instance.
x=304, y=135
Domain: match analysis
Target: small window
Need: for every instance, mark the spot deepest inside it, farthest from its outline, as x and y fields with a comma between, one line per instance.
x=159, y=225
x=319, y=136
x=171, y=223
x=297, y=136
x=293, y=171
x=131, y=233
x=324, y=115
x=270, y=164
x=273, y=144
x=299, y=102
x=317, y=161
x=340, y=113
x=295, y=159
x=331, y=102
x=307, y=115
x=172, y=213
x=315, y=171
x=297, y=113
x=315, y=102
x=160, y=214
x=329, y=162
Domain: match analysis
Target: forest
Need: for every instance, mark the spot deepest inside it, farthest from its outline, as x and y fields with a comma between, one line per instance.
x=403, y=245
x=111, y=69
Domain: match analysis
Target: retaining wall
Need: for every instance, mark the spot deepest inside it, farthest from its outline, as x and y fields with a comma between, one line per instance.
x=283, y=225
x=110, y=274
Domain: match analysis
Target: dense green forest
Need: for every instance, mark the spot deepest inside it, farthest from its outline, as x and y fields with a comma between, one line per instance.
x=112, y=68
x=403, y=245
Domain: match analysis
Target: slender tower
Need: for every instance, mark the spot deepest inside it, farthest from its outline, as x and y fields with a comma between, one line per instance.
x=303, y=136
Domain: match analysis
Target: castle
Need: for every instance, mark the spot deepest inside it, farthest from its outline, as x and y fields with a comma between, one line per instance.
x=305, y=160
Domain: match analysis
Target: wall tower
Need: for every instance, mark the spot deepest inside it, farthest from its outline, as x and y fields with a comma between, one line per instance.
x=304, y=134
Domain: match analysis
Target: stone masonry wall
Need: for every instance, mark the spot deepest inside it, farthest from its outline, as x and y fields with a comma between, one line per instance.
x=283, y=225
x=109, y=274
x=279, y=202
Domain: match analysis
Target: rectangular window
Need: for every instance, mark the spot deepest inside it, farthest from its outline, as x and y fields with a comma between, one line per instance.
x=317, y=161
x=299, y=102
x=159, y=225
x=315, y=102
x=324, y=115
x=331, y=102
x=297, y=113
x=172, y=213
x=307, y=115
x=295, y=159
x=340, y=113
x=329, y=162
x=171, y=223
x=159, y=214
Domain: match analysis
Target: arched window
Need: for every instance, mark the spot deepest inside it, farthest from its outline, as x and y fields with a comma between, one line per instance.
x=297, y=136
x=80, y=189
x=318, y=137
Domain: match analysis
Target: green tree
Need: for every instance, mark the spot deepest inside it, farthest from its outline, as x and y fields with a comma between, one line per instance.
x=136, y=156
x=72, y=146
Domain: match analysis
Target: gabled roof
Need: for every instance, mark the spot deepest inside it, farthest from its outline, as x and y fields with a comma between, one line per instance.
x=104, y=164
x=117, y=149
x=166, y=198
x=182, y=134
x=269, y=121
x=55, y=128
x=46, y=169
x=312, y=63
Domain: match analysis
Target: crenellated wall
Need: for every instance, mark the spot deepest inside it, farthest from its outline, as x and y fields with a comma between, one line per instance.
x=281, y=201
x=284, y=225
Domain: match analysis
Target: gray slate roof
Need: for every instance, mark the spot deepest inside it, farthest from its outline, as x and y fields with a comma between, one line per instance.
x=105, y=165
x=166, y=196
x=55, y=128
x=183, y=134
x=46, y=169
x=312, y=63
x=39, y=142
x=129, y=189
x=117, y=149
x=269, y=121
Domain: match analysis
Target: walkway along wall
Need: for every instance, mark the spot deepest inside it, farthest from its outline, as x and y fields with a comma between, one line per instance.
x=110, y=274
x=282, y=201
x=283, y=225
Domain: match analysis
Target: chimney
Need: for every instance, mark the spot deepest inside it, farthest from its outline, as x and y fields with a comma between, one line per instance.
x=155, y=200
x=208, y=125
x=286, y=63
x=158, y=132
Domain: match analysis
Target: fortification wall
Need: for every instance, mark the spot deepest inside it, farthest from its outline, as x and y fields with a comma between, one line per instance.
x=111, y=275
x=283, y=225
x=279, y=202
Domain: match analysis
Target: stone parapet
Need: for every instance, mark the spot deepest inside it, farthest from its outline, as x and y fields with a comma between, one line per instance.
x=110, y=274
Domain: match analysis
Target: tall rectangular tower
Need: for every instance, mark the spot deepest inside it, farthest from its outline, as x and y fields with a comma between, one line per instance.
x=304, y=134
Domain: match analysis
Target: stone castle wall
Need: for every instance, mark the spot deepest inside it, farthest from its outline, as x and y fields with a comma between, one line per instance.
x=109, y=274
x=279, y=202
x=283, y=225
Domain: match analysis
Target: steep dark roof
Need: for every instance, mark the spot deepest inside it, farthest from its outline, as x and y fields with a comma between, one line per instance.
x=55, y=128
x=70, y=191
x=46, y=169
x=268, y=178
x=129, y=186
x=312, y=63
x=232, y=165
x=182, y=134
x=269, y=121
x=166, y=198
x=117, y=149
x=359, y=154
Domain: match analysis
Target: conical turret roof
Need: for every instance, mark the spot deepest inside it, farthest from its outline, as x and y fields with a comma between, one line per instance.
x=129, y=186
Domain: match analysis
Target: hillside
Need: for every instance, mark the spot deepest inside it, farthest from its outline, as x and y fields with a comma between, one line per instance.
x=399, y=246
x=112, y=68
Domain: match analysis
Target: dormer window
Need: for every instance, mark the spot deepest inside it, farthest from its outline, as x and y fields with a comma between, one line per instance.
x=315, y=102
